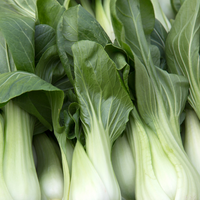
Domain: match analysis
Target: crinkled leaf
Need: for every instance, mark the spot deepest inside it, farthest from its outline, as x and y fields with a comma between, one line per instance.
x=72, y=123
x=50, y=69
x=119, y=56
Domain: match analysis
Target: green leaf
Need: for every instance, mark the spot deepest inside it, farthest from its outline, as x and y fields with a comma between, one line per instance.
x=176, y=4
x=18, y=28
x=77, y=24
x=158, y=37
x=44, y=38
x=165, y=105
x=128, y=27
x=160, y=14
x=50, y=69
x=104, y=109
x=12, y=83
x=23, y=8
x=50, y=12
x=182, y=49
x=119, y=56
x=147, y=15
x=6, y=61
x=155, y=54
x=100, y=92
x=147, y=101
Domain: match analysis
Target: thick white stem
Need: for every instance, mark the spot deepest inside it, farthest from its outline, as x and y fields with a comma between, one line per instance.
x=49, y=168
x=98, y=148
x=19, y=169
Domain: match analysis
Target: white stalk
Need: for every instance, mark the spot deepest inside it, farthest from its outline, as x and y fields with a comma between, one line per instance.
x=4, y=193
x=160, y=15
x=163, y=168
x=124, y=167
x=147, y=184
x=188, y=180
x=192, y=138
x=19, y=169
x=103, y=19
x=98, y=148
x=93, y=176
x=48, y=168
x=86, y=183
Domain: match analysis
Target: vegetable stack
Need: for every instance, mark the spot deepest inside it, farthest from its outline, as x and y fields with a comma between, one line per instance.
x=99, y=100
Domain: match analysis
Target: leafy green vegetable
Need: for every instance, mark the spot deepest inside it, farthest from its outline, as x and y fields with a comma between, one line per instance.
x=160, y=101
x=182, y=49
x=192, y=137
x=45, y=16
x=77, y=24
x=3, y=189
x=45, y=37
x=160, y=15
x=155, y=175
x=124, y=167
x=19, y=174
x=49, y=169
x=17, y=29
x=104, y=108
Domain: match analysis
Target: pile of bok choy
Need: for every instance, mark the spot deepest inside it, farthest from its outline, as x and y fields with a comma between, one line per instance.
x=99, y=100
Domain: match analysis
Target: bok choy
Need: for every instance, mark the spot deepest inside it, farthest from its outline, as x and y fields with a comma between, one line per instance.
x=49, y=169
x=161, y=98
x=19, y=169
x=124, y=166
x=182, y=50
x=104, y=109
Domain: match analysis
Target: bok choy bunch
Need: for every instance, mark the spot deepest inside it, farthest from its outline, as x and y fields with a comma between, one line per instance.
x=26, y=100
x=182, y=51
x=104, y=109
x=160, y=98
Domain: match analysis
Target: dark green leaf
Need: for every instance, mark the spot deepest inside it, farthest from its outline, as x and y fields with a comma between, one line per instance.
x=77, y=24
x=44, y=38
x=17, y=27
x=50, y=12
